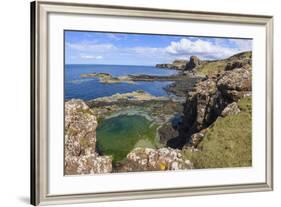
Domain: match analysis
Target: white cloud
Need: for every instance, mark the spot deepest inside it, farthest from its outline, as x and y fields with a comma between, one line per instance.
x=83, y=56
x=203, y=49
x=88, y=47
x=181, y=49
x=116, y=36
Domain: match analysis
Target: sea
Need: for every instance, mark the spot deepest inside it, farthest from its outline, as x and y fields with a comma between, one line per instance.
x=78, y=87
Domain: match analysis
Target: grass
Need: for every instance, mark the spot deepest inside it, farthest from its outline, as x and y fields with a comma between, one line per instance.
x=211, y=68
x=228, y=143
x=214, y=67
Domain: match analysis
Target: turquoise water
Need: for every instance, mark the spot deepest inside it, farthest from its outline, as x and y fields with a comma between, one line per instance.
x=117, y=136
x=90, y=88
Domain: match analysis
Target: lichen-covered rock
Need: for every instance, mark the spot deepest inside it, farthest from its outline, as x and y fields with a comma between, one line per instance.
x=146, y=159
x=231, y=109
x=197, y=138
x=88, y=164
x=80, y=128
x=245, y=63
x=80, y=141
x=235, y=84
x=194, y=61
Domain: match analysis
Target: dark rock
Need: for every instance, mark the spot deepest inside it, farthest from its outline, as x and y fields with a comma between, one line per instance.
x=193, y=63
x=166, y=132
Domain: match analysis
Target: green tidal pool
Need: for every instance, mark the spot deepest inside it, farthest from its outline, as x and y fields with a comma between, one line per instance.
x=117, y=136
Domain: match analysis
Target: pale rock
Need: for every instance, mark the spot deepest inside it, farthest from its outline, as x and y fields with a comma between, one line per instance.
x=231, y=109
x=80, y=141
x=146, y=159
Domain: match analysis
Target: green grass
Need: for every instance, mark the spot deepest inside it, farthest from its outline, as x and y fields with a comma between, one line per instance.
x=242, y=55
x=117, y=136
x=214, y=67
x=228, y=143
x=211, y=68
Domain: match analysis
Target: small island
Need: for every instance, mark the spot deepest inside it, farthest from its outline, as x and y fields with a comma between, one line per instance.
x=107, y=78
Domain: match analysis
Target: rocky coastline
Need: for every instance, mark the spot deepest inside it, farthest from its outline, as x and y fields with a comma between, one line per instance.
x=205, y=95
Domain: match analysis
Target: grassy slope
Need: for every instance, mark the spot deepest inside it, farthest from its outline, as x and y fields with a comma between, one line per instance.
x=214, y=67
x=228, y=142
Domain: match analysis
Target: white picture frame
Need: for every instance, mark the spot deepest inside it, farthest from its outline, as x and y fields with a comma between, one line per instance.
x=49, y=186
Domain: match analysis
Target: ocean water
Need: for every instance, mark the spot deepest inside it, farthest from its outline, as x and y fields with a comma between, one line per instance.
x=90, y=88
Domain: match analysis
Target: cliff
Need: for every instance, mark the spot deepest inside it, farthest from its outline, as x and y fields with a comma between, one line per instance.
x=216, y=125
x=209, y=98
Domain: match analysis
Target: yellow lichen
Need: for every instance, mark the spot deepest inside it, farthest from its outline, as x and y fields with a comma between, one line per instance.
x=162, y=166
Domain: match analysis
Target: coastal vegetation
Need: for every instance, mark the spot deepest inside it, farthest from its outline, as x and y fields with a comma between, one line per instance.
x=227, y=142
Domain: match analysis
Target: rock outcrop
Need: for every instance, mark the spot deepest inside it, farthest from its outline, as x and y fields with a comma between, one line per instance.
x=235, y=84
x=193, y=63
x=179, y=64
x=146, y=159
x=80, y=141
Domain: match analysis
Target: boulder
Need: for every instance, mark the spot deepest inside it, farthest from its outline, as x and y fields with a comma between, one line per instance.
x=147, y=159
x=231, y=109
x=235, y=84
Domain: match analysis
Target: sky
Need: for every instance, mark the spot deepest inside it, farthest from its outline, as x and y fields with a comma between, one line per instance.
x=83, y=47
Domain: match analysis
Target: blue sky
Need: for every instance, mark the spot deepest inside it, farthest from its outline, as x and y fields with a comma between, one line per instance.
x=142, y=49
